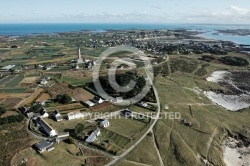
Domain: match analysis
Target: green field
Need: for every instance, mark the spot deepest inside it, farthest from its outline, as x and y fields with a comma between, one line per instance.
x=13, y=90
x=126, y=127
x=14, y=82
x=5, y=80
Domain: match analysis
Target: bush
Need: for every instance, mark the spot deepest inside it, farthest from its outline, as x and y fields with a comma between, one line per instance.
x=2, y=111
x=234, y=61
x=11, y=119
x=78, y=129
x=63, y=99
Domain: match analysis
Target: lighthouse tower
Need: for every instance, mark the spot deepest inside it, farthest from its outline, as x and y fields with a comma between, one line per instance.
x=79, y=60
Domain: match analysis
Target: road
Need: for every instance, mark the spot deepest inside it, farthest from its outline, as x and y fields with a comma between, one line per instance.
x=116, y=158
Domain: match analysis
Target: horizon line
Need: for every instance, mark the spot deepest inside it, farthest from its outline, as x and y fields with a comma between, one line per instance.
x=126, y=23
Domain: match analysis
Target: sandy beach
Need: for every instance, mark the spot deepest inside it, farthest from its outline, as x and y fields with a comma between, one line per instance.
x=234, y=155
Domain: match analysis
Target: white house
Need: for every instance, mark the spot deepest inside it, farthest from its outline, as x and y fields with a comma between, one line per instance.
x=43, y=82
x=58, y=116
x=104, y=123
x=93, y=135
x=143, y=104
x=46, y=127
x=98, y=100
x=44, y=114
x=89, y=103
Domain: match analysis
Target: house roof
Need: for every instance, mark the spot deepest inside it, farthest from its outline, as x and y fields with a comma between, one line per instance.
x=30, y=114
x=43, y=144
x=93, y=135
x=89, y=103
x=104, y=122
x=45, y=125
x=58, y=117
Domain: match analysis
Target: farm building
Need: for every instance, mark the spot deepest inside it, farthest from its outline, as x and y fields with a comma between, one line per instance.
x=75, y=115
x=143, y=104
x=44, y=114
x=46, y=127
x=58, y=116
x=118, y=100
x=93, y=135
x=104, y=123
x=63, y=135
x=126, y=113
x=30, y=115
x=7, y=68
x=43, y=82
x=98, y=100
x=89, y=103
x=44, y=145
x=24, y=109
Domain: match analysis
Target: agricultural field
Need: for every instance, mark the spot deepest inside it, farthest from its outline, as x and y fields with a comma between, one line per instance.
x=33, y=96
x=15, y=90
x=65, y=155
x=10, y=102
x=6, y=80
x=62, y=88
x=116, y=141
x=128, y=128
x=15, y=81
x=69, y=107
x=84, y=95
x=43, y=97
x=27, y=81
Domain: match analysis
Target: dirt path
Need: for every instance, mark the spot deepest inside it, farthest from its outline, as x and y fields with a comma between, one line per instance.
x=157, y=150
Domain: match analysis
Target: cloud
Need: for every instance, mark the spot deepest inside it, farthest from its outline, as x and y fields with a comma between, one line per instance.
x=156, y=7
x=232, y=14
x=238, y=10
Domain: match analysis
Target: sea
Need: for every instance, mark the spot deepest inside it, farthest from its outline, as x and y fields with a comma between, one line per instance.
x=208, y=30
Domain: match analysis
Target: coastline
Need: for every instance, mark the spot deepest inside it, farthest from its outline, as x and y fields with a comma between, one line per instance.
x=207, y=30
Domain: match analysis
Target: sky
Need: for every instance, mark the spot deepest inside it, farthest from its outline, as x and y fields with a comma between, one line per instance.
x=125, y=11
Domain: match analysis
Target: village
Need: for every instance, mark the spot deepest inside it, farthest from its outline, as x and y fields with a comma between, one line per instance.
x=48, y=80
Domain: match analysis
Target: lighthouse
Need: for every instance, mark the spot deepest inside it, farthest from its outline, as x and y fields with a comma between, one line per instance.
x=79, y=60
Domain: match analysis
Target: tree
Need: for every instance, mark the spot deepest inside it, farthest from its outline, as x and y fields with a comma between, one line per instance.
x=36, y=108
x=78, y=129
x=70, y=140
x=63, y=99
x=234, y=61
x=2, y=110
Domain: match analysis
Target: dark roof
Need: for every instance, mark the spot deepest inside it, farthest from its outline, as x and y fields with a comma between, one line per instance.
x=43, y=145
x=96, y=98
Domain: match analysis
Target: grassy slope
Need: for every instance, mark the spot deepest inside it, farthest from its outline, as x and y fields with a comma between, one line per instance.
x=145, y=153
x=183, y=145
